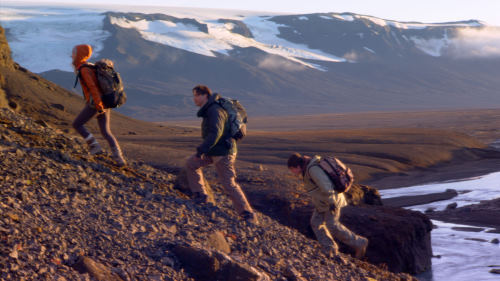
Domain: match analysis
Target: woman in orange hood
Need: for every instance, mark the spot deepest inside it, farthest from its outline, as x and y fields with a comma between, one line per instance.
x=93, y=105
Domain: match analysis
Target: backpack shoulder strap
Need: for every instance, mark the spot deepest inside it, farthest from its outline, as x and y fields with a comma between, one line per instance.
x=321, y=164
x=309, y=174
x=78, y=74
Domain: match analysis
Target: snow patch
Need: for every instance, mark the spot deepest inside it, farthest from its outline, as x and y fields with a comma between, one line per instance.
x=183, y=36
x=303, y=18
x=433, y=46
x=369, y=50
x=266, y=33
x=375, y=20
x=230, y=25
x=221, y=40
x=343, y=17
x=416, y=25
x=325, y=17
x=50, y=34
x=275, y=62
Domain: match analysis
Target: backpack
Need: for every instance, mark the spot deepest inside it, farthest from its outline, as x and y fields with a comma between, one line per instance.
x=237, y=116
x=340, y=175
x=110, y=83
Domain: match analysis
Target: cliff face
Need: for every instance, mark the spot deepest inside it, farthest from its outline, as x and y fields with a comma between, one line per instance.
x=5, y=61
x=5, y=58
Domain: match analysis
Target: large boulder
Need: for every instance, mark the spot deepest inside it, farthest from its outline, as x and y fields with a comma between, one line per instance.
x=207, y=265
x=399, y=238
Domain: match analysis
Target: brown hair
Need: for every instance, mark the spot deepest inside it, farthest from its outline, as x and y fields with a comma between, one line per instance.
x=202, y=90
x=296, y=160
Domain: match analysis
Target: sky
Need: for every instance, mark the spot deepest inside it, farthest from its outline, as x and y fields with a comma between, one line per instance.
x=417, y=10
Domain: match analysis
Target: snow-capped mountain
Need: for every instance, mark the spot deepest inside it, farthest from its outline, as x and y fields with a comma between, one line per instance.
x=275, y=64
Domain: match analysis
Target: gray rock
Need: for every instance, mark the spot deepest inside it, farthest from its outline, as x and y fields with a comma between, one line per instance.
x=167, y=261
x=217, y=241
x=14, y=253
x=452, y=206
x=58, y=106
x=97, y=270
x=292, y=274
x=212, y=265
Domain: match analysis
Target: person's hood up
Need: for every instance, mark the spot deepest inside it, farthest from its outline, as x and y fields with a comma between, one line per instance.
x=82, y=54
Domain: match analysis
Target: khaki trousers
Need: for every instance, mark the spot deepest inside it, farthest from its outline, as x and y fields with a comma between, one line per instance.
x=226, y=175
x=327, y=224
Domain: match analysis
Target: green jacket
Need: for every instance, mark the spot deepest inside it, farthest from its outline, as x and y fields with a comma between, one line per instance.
x=320, y=188
x=217, y=140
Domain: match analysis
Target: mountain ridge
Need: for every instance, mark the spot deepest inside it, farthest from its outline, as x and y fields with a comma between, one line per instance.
x=398, y=67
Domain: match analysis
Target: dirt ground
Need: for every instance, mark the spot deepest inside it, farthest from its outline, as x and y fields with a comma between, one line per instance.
x=385, y=150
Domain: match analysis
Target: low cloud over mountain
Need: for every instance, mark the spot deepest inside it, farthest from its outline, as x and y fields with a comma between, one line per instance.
x=471, y=43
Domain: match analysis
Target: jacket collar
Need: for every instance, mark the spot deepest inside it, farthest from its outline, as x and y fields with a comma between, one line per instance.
x=312, y=161
x=211, y=100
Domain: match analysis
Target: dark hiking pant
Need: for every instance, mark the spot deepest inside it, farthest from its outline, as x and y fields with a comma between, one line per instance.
x=102, y=119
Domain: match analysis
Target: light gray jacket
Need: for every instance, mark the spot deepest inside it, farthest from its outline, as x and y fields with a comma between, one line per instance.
x=320, y=187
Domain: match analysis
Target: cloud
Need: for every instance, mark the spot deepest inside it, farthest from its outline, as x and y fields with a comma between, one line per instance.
x=352, y=56
x=475, y=43
x=275, y=62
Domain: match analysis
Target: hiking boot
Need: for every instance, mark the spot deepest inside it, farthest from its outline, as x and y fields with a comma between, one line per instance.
x=250, y=217
x=118, y=156
x=331, y=252
x=95, y=148
x=362, y=244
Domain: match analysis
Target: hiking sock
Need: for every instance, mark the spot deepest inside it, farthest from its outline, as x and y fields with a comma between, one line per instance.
x=90, y=139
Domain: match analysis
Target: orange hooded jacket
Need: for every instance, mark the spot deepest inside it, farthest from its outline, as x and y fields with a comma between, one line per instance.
x=88, y=79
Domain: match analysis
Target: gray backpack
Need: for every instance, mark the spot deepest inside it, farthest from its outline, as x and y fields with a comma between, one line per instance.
x=237, y=117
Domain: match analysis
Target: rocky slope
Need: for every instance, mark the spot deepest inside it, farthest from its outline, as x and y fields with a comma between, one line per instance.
x=68, y=216
x=115, y=196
